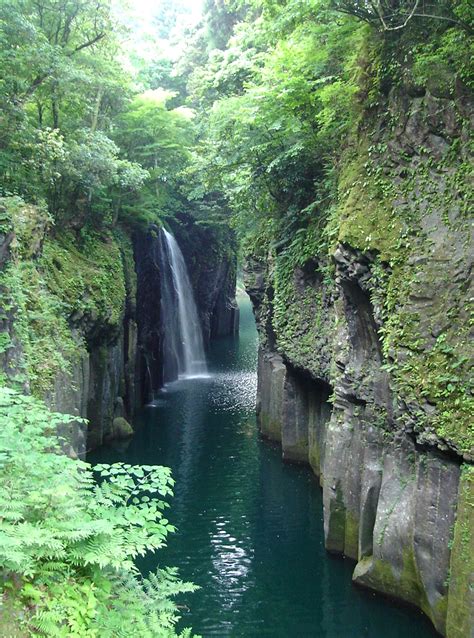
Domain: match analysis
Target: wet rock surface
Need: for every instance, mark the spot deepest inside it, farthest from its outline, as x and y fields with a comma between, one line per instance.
x=397, y=494
x=213, y=275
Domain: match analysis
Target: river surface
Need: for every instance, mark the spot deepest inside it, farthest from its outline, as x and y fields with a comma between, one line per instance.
x=250, y=528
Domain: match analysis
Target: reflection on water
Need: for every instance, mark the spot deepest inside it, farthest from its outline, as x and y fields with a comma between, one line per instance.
x=250, y=529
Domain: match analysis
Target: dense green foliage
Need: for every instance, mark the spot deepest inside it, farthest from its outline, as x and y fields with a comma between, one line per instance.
x=296, y=111
x=291, y=89
x=277, y=118
x=70, y=541
x=65, y=102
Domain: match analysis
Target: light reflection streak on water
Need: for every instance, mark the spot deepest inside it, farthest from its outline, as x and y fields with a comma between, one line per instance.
x=232, y=561
x=235, y=392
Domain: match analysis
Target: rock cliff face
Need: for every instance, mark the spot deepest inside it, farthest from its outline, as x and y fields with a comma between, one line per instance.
x=68, y=324
x=150, y=375
x=81, y=322
x=212, y=268
x=100, y=384
x=362, y=364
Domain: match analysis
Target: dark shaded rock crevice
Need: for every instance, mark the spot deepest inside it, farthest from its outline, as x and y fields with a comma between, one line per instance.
x=349, y=371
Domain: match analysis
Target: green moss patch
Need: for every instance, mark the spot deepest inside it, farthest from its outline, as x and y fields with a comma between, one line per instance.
x=412, y=215
x=461, y=587
x=301, y=320
x=381, y=576
x=366, y=216
x=86, y=276
x=351, y=536
x=40, y=326
x=62, y=291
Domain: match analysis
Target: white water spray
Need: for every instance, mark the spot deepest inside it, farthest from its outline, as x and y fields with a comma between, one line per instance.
x=183, y=351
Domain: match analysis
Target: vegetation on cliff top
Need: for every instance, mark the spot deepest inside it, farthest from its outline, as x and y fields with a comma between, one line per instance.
x=274, y=119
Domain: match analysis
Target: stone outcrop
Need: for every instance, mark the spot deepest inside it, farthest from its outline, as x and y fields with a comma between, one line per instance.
x=101, y=383
x=121, y=428
x=338, y=374
x=212, y=269
x=96, y=353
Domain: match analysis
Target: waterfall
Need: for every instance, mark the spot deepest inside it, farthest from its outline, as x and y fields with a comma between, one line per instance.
x=183, y=349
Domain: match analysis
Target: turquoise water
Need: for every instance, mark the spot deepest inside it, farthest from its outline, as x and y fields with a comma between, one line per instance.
x=250, y=529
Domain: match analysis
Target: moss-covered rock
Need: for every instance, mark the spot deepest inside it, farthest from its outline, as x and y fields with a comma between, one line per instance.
x=69, y=317
x=405, y=198
x=29, y=224
x=87, y=276
x=40, y=325
x=460, y=612
x=121, y=428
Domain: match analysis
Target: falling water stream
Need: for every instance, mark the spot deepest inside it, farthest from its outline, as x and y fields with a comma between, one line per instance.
x=250, y=528
x=183, y=349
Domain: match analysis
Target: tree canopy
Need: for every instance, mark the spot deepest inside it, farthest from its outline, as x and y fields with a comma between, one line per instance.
x=252, y=120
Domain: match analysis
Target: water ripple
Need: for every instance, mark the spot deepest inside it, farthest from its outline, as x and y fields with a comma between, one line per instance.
x=234, y=392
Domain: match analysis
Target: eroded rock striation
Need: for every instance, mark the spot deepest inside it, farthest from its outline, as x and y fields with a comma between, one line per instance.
x=363, y=364
x=80, y=326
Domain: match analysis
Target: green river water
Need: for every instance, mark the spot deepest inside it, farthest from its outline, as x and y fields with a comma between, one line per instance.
x=250, y=527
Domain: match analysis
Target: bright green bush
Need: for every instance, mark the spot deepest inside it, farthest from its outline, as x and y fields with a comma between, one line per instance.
x=68, y=540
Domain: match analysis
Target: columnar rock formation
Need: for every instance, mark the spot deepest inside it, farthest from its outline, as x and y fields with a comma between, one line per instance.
x=342, y=337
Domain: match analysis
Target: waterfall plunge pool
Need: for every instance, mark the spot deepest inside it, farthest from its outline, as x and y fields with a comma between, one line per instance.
x=250, y=528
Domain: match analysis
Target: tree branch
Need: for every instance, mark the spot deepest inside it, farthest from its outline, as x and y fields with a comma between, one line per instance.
x=400, y=26
x=33, y=86
x=375, y=13
x=89, y=43
x=41, y=78
x=446, y=18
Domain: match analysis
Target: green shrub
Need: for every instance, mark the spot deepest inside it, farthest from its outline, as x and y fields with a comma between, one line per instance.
x=68, y=541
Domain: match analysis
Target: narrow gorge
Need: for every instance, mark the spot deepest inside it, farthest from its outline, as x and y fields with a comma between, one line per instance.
x=236, y=261
x=115, y=332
